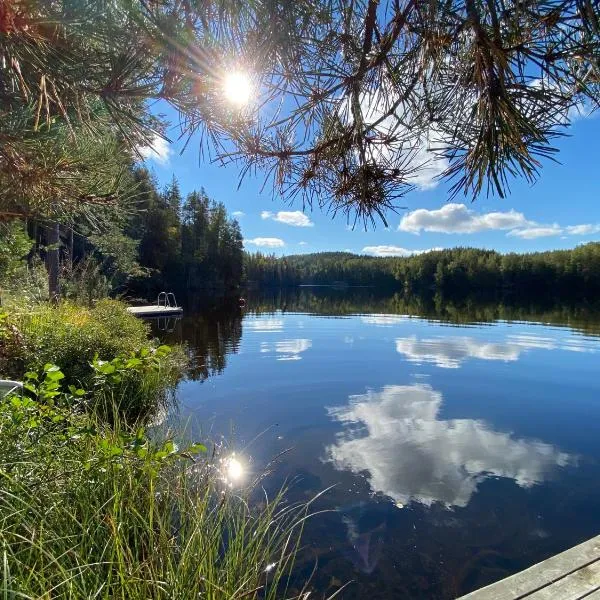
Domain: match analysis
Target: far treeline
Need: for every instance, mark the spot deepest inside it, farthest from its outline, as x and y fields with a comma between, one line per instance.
x=460, y=271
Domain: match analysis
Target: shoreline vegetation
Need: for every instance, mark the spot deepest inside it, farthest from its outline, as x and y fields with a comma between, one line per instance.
x=95, y=500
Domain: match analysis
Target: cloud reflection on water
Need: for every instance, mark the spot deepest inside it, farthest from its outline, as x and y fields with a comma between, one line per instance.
x=287, y=349
x=261, y=325
x=452, y=352
x=383, y=320
x=410, y=454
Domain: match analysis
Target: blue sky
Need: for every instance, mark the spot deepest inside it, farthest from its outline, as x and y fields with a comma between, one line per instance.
x=560, y=210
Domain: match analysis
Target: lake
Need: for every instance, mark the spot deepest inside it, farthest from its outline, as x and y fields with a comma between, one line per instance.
x=460, y=443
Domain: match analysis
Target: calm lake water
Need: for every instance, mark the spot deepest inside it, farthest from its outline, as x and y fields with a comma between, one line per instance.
x=462, y=444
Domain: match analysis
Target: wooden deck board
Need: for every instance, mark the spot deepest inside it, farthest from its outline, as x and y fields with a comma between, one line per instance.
x=573, y=586
x=570, y=575
x=154, y=311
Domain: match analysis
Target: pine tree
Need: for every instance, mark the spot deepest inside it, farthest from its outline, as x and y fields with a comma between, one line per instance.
x=351, y=101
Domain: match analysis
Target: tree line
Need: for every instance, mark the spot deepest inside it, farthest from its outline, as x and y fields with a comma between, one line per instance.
x=187, y=244
x=162, y=240
x=454, y=272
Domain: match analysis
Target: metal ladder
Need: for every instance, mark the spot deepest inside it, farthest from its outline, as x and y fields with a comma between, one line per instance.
x=167, y=300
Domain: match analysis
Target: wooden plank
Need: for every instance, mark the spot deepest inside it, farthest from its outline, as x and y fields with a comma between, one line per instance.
x=543, y=574
x=575, y=586
x=154, y=311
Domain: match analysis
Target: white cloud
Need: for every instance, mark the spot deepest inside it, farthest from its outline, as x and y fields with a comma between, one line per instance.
x=394, y=251
x=158, y=150
x=457, y=218
x=295, y=218
x=586, y=229
x=534, y=232
x=302, y=243
x=410, y=454
x=238, y=214
x=266, y=242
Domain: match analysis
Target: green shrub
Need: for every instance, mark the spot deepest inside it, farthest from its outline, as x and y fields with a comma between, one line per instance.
x=92, y=511
x=85, y=282
x=82, y=340
x=71, y=335
x=133, y=385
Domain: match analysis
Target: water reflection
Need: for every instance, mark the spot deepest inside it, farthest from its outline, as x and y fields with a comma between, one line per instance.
x=426, y=447
x=287, y=349
x=233, y=470
x=209, y=337
x=396, y=436
x=384, y=308
x=264, y=325
x=383, y=320
x=451, y=352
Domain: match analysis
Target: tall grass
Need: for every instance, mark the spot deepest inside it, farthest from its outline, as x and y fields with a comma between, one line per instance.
x=89, y=510
x=131, y=533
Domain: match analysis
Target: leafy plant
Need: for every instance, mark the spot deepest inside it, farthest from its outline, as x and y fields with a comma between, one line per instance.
x=133, y=385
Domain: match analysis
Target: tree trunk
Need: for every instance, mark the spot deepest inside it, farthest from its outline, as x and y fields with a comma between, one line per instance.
x=52, y=258
x=71, y=249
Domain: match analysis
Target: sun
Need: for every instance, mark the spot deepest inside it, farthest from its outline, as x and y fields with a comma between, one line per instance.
x=237, y=88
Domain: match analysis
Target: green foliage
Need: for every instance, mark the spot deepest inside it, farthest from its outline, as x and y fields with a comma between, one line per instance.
x=133, y=385
x=14, y=245
x=158, y=241
x=186, y=244
x=80, y=339
x=63, y=170
x=70, y=335
x=93, y=511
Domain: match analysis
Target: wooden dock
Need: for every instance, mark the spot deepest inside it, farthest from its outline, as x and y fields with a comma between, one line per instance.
x=571, y=575
x=154, y=311
x=166, y=306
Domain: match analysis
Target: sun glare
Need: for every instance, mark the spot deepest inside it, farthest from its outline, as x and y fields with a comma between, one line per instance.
x=237, y=88
x=233, y=470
